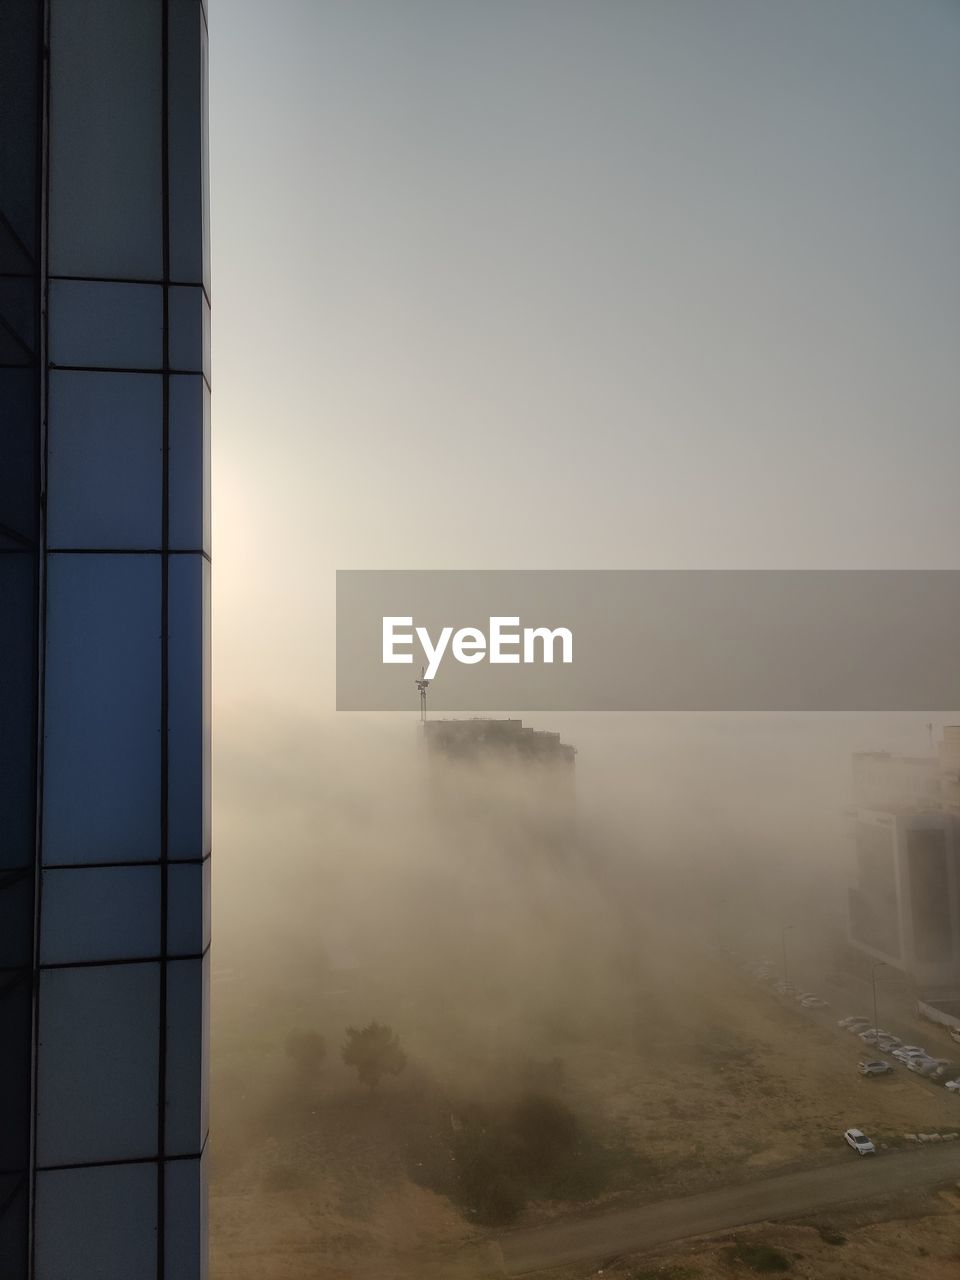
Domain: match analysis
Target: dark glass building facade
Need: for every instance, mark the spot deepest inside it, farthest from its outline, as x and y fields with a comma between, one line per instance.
x=104, y=639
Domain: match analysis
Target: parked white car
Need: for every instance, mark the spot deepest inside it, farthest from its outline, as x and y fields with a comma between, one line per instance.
x=952, y=1085
x=874, y=1067
x=924, y=1066
x=884, y=1039
x=860, y=1142
x=908, y=1052
x=814, y=1002
x=886, y=1044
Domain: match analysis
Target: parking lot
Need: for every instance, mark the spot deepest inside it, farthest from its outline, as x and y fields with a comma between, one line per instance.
x=900, y=1041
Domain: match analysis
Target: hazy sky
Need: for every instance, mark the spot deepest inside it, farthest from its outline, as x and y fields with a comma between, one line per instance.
x=540, y=284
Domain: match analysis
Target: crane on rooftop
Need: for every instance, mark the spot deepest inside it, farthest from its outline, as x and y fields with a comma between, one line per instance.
x=423, y=684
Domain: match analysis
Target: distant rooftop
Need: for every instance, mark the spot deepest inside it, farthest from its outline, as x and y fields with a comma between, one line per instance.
x=884, y=780
x=476, y=738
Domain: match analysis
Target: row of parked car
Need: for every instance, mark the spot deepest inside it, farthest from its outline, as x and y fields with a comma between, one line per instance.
x=912, y=1056
x=808, y=999
x=764, y=971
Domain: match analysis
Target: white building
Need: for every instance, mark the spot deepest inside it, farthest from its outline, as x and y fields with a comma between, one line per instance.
x=904, y=905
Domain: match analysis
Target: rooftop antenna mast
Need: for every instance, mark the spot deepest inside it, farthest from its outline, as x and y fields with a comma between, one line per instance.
x=423, y=684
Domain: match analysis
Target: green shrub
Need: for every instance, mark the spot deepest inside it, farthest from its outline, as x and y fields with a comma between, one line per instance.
x=505, y=1156
x=487, y=1187
x=545, y=1134
x=829, y=1236
x=374, y=1050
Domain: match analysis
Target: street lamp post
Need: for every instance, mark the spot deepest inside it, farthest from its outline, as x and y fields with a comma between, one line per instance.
x=783, y=945
x=876, y=1019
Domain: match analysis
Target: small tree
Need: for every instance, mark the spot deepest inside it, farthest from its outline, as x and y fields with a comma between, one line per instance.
x=546, y=1132
x=308, y=1050
x=375, y=1052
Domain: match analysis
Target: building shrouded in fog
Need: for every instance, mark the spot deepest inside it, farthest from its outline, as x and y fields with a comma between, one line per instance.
x=904, y=907
x=532, y=770
x=507, y=741
x=104, y=639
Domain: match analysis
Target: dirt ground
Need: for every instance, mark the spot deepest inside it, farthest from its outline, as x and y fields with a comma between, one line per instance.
x=731, y=1081
x=293, y=1235
x=717, y=1082
x=923, y=1246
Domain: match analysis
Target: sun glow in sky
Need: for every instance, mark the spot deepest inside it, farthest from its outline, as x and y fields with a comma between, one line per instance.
x=569, y=285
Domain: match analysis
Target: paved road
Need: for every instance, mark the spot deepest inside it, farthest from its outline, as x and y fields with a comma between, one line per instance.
x=789, y=1195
